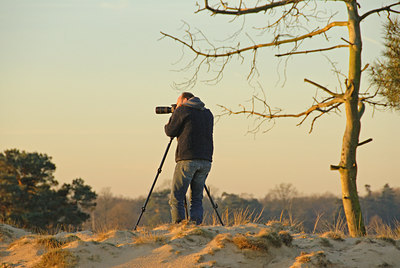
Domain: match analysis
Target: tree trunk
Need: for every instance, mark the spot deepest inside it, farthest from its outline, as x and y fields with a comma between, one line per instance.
x=348, y=164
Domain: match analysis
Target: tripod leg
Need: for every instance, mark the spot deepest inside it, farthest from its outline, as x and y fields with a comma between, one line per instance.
x=215, y=206
x=186, y=209
x=154, y=183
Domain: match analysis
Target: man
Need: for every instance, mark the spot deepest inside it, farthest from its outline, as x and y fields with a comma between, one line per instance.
x=192, y=124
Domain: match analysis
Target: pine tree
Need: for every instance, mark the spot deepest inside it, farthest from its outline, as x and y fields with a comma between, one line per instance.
x=386, y=72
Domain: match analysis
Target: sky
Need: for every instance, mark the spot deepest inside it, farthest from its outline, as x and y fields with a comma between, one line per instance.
x=79, y=81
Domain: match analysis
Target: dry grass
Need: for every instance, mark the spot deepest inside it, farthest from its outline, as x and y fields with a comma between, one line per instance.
x=235, y=217
x=60, y=258
x=222, y=239
x=22, y=241
x=101, y=236
x=313, y=259
x=377, y=229
x=263, y=240
x=248, y=242
x=335, y=230
x=293, y=223
x=270, y=237
x=244, y=216
x=380, y=229
x=333, y=235
x=319, y=216
x=303, y=258
x=286, y=238
x=102, y=228
x=202, y=232
x=147, y=237
x=50, y=242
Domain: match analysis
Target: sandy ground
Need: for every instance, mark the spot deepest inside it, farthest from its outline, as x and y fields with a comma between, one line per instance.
x=185, y=245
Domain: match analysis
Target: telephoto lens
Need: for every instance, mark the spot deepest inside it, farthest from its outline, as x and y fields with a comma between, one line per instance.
x=163, y=110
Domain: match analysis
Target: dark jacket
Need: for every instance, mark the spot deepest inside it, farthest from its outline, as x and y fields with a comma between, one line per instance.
x=192, y=124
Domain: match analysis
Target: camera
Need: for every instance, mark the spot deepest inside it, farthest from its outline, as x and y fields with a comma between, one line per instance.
x=165, y=109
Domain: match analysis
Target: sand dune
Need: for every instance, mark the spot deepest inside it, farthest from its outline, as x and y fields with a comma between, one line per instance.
x=185, y=245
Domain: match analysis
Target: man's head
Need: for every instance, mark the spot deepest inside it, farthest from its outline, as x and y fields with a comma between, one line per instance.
x=184, y=97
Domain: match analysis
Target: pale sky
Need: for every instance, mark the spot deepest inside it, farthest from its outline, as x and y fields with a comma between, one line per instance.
x=80, y=80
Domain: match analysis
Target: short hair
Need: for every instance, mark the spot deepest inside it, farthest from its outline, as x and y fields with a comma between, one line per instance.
x=187, y=95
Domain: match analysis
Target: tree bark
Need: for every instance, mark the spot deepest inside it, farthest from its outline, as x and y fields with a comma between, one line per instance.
x=348, y=164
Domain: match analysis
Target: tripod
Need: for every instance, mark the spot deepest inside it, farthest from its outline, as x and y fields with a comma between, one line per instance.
x=215, y=206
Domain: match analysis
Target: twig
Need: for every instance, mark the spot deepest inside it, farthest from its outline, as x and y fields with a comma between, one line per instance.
x=310, y=51
x=323, y=88
x=385, y=8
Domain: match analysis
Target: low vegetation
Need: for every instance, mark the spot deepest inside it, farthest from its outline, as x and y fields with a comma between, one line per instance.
x=312, y=214
x=61, y=258
x=31, y=201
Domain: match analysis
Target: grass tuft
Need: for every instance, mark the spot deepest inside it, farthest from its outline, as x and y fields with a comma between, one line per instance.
x=286, y=238
x=333, y=235
x=236, y=217
x=147, y=237
x=60, y=258
x=50, y=242
x=253, y=243
x=313, y=259
x=380, y=229
x=201, y=232
x=303, y=258
x=270, y=237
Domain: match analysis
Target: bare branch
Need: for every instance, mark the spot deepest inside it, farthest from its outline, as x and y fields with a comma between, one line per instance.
x=310, y=51
x=348, y=42
x=365, y=67
x=365, y=142
x=242, y=11
x=321, y=114
x=385, y=8
x=276, y=42
x=324, y=89
x=317, y=107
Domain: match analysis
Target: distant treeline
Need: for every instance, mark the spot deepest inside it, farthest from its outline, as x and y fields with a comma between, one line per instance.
x=31, y=197
x=313, y=213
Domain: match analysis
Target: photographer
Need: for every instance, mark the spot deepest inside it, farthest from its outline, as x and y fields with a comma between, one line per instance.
x=192, y=124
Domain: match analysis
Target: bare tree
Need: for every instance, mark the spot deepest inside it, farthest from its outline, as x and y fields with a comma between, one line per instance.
x=290, y=22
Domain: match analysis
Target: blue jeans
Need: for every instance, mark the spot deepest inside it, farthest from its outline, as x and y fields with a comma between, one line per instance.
x=193, y=173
